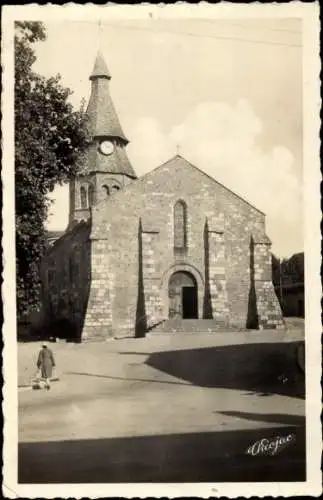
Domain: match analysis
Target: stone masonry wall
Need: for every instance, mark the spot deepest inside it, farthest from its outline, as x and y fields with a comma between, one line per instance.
x=102, y=184
x=65, y=274
x=153, y=305
x=217, y=270
x=152, y=199
x=268, y=307
x=98, y=318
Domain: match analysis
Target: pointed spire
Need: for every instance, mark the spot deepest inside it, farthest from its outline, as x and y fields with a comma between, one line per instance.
x=103, y=123
x=103, y=118
x=100, y=69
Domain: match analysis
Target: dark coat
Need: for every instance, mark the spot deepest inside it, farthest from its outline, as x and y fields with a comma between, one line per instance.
x=46, y=362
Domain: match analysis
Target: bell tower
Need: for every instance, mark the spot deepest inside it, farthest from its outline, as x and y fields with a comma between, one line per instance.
x=105, y=168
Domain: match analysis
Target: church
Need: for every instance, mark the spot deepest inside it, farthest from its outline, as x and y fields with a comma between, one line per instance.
x=168, y=249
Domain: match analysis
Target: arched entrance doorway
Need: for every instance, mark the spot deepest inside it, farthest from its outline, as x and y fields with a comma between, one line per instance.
x=182, y=295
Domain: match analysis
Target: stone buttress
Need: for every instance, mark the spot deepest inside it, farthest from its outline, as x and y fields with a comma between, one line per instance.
x=98, y=317
x=217, y=269
x=151, y=278
x=268, y=307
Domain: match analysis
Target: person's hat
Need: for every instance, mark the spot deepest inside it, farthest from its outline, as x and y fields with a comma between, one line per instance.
x=44, y=344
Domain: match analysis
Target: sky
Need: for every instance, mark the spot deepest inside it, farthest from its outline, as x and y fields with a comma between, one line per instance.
x=226, y=94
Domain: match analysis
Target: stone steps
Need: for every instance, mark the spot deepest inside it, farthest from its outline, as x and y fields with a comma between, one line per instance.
x=189, y=326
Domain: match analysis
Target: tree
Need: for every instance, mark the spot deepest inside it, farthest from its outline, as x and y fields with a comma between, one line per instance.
x=275, y=264
x=288, y=271
x=50, y=138
x=295, y=269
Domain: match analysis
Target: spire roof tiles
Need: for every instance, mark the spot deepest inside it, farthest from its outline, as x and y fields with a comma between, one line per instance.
x=103, y=123
x=102, y=116
x=100, y=69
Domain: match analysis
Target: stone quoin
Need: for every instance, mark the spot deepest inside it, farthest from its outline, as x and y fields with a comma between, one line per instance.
x=173, y=243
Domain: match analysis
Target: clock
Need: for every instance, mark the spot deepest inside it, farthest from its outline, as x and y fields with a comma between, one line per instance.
x=106, y=147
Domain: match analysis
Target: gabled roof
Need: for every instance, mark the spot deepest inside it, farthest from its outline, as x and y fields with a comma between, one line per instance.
x=179, y=159
x=170, y=164
x=54, y=234
x=148, y=223
x=70, y=231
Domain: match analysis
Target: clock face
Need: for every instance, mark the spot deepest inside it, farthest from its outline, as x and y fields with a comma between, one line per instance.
x=106, y=147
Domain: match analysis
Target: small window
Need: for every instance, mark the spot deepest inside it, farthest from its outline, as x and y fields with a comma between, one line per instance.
x=180, y=223
x=83, y=197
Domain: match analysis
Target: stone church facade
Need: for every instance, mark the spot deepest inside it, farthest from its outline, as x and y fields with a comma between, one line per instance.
x=174, y=243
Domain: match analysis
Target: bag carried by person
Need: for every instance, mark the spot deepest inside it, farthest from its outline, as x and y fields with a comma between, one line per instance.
x=54, y=377
x=36, y=384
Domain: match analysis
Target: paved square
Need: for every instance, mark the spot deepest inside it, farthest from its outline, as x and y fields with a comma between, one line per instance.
x=177, y=407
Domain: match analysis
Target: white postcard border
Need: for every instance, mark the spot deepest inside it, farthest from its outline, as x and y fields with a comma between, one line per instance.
x=309, y=12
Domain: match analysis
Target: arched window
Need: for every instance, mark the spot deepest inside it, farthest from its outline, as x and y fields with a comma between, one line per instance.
x=115, y=187
x=83, y=197
x=106, y=189
x=91, y=195
x=180, y=222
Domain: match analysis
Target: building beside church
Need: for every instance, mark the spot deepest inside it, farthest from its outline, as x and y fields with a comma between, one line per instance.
x=288, y=280
x=173, y=243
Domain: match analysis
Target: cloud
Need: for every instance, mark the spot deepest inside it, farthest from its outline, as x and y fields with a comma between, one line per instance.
x=225, y=141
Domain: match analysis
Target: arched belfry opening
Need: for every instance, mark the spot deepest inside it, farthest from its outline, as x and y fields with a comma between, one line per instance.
x=183, y=296
x=105, y=161
x=83, y=196
x=106, y=190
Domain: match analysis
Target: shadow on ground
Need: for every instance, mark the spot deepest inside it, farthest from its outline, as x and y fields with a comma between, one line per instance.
x=266, y=368
x=129, y=379
x=195, y=457
x=277, y=418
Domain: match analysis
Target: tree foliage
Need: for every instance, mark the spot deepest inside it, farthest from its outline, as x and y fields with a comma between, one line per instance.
x=49, y=140
x=289, y=271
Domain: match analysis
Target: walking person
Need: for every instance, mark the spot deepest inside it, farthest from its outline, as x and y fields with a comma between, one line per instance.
x=46, y=363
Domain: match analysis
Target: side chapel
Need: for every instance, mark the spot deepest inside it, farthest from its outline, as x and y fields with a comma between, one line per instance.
x=172, y=245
